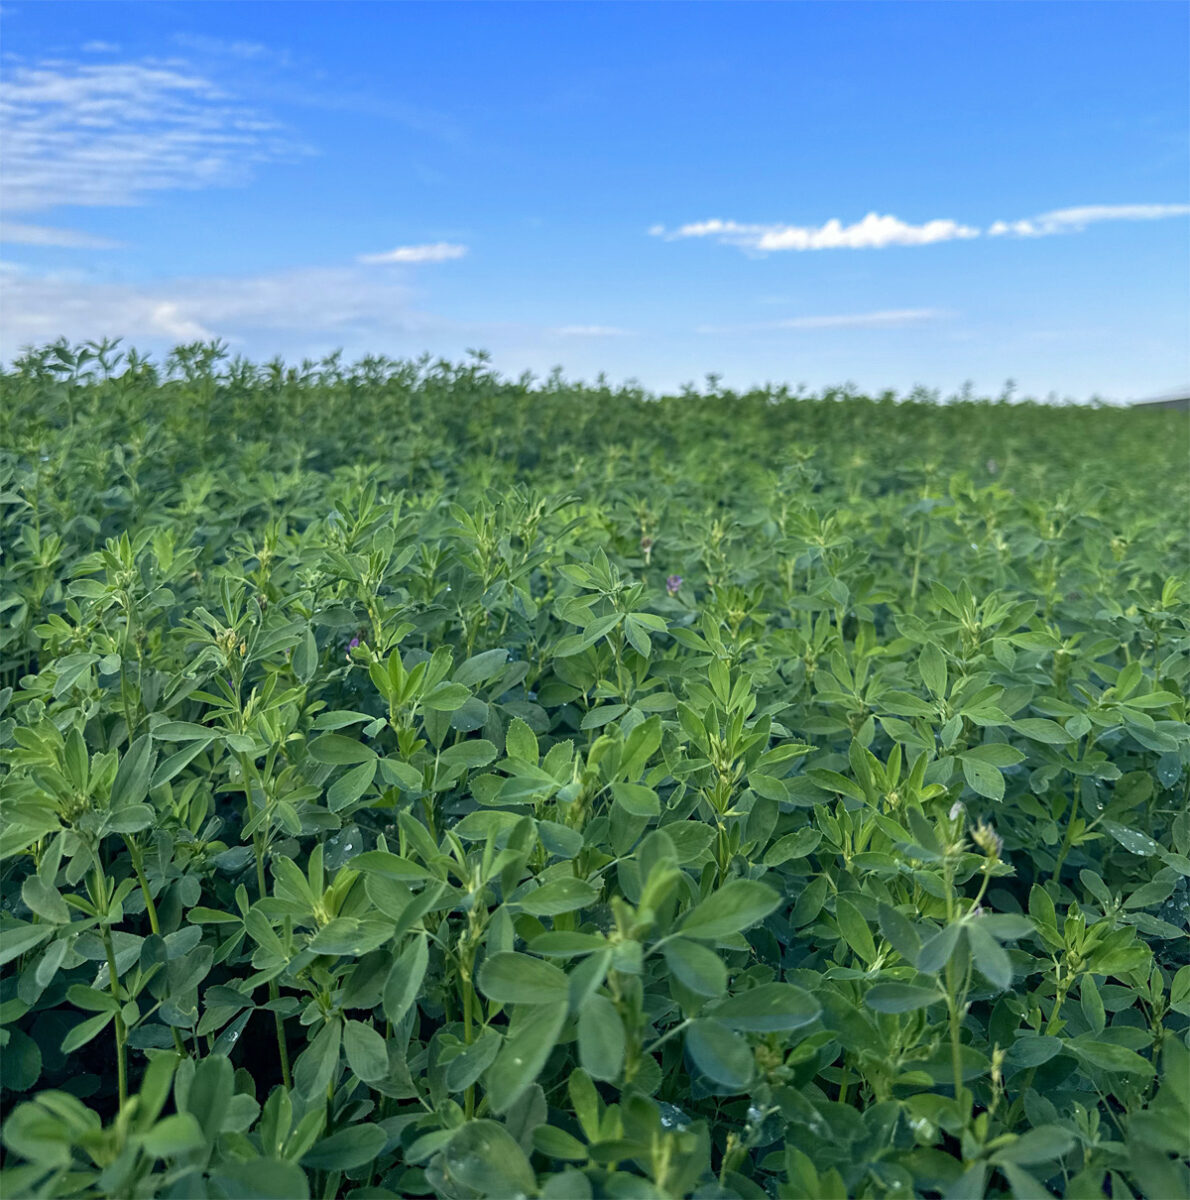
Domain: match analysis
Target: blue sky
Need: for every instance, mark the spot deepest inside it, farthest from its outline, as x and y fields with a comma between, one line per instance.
x=887, y=194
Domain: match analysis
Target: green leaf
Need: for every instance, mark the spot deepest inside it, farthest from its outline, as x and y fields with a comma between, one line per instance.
x=305, y=657
x=932, y=665
x=557, y=1143
x=319, y=1061
x=19, y=938
x=900, y=997
x=982, y=777
x=1110, y=1057
x=351, y=785
x=91, y=999
x=793, y=845
x=479, y=668
x=210, y=1093
x=404, y=979
x=350, y=1147
x=720, y=1054
x=636, y=799
x=173, y=1136
x=131, y=784
x=600, y=1038
x=511, y=978
x=1092, y=1004
x=44, y=900
x=520, y=742
x=350, y=935
x=833, y=781
x=366, y=1052
x=559, y=896
x=338, y=749
x=1044, y=1143
x=484, y=1156
x=1024, y=1186
x=989, y=956
x=533, y=1033
x=261, y=1179
x=736, y=906
x=768, y=1008
x=1132, y=840
x=1041, y=908
x=995, y=754
x=446, y=697
x=1039, y=729
x=854, y=929
x=473, y=753
x=82, y=1033
x=468, y=1065
x=937, y=949
x=696, y=967
x=1032, y=1049
x=560, y=943
x=899, y=932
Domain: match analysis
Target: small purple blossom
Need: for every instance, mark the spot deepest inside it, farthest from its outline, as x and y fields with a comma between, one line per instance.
x=351, y=645
x=672, y=584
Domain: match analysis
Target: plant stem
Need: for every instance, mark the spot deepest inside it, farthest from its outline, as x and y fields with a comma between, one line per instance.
x=121, y=1029
x=258, y=849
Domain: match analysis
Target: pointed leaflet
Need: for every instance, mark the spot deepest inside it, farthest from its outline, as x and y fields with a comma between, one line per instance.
x=736, y=906
x=511, y=978
x=600, y=1038
x=721, y=1055
x=404, y=980
x=532, y=1034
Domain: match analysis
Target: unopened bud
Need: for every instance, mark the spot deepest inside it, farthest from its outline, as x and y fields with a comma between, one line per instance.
x=988, y=840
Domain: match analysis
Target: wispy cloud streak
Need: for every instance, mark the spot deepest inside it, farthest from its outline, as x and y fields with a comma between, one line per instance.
x=592, y=331
x=433, y=252
x=875, y=232
x=43, y=235
x=872, y=232
x=1075, y=220
x=98, y=134
x=884, y=319
x=305, y=302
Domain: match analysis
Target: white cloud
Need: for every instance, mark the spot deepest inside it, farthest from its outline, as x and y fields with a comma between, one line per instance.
x=44, y=235
x=107, y=133
x=884, y=319
x=876, y=231
x=304, y=303
x=1075, y=220
x=873, y=232
x=432, y=252
x=592, y=331
x=166, y=318
x=888, y=318
x=228, y=48
x=100, y=48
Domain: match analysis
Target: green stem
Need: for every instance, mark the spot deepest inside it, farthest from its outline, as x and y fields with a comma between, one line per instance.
x=134, y=853
x=258, y=849
x=100, y=897
x=468, y=1006
x=121, y=1028
x=956, y=1042
x=1019, y=1103
x=138, y=867
x=921, y=537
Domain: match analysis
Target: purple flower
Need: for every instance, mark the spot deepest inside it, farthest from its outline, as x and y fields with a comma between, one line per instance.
x=351, y=645
x=672, y=584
